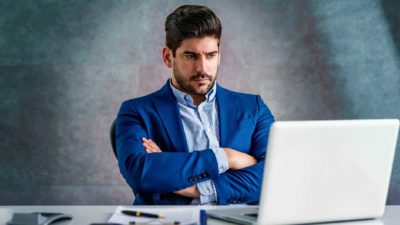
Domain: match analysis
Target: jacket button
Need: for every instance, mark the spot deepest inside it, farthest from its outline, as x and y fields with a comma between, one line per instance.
x=190, y=179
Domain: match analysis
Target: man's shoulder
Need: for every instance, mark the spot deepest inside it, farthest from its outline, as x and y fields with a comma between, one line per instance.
x=142, y=99
x=238, y=95
x=244, y=101
x=146, y=99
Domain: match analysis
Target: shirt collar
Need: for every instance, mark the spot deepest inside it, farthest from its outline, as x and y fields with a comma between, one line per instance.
x=187, y=100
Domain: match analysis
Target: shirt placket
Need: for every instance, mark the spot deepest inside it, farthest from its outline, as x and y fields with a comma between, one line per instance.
x=203, y=112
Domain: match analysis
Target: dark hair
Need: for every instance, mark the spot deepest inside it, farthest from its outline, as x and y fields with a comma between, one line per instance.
x=189, y=21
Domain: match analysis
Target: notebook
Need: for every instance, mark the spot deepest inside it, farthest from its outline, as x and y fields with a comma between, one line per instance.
x=172, y=214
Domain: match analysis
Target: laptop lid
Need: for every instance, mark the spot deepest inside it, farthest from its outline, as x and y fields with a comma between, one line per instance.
x=319, y=171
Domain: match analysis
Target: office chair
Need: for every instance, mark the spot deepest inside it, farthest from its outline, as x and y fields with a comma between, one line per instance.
x=113, y=137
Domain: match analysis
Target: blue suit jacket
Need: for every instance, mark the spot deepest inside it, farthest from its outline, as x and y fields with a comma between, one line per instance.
x=244, y=125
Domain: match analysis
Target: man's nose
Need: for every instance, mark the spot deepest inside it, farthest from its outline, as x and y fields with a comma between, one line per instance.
x=200, y=66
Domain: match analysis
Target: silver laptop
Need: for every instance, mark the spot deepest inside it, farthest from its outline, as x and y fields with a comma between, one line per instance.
x=322, y=171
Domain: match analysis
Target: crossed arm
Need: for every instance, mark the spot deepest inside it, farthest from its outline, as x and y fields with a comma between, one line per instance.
x=139, y=160
x=236, y=160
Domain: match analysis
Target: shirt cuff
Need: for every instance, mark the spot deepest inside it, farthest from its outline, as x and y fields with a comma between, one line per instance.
x=222, y=159
x=207, y=192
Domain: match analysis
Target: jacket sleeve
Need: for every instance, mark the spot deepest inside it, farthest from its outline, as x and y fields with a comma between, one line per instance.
x=157, y=172
x=244, y=186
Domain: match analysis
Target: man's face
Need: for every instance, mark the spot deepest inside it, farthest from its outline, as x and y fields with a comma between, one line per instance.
x=195, y=65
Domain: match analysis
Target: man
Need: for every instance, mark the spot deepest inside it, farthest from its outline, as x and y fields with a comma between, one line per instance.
x=193, y=142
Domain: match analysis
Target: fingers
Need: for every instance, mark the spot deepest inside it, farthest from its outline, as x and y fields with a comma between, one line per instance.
x=153, y=145
x=191, y=192
x=248, y=161
x=252, y=160
x=238, y=160
x=150, y=146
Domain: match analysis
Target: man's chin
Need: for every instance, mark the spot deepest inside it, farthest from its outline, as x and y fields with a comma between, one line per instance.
x=202, y=91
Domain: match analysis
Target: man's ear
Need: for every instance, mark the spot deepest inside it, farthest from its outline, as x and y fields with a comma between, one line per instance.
x=167, y=56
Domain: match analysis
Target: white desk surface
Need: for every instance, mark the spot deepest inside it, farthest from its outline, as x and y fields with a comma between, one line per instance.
x=84, y=215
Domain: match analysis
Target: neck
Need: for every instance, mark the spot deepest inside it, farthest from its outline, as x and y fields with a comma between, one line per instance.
x=198, y=99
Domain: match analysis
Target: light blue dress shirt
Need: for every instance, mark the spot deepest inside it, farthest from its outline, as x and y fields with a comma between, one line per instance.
x=201, y=127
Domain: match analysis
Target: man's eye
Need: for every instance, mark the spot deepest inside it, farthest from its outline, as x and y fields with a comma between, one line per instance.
x=189, y=56
x=212, y=55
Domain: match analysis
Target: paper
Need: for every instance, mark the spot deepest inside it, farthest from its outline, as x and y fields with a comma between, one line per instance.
x=185, y=216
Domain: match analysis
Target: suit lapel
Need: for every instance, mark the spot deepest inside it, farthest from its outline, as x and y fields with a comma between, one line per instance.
x=227, y=109
x=167, y=108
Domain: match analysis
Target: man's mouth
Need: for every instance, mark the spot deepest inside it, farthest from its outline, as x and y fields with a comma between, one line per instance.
x=202, y=81
x=201, y=78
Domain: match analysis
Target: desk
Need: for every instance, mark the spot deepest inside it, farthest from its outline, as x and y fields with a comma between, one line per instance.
x=84, y=215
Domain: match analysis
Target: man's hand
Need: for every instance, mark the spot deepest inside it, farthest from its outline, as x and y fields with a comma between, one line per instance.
x=150, y=146
x=238, y=160
x=191, y=192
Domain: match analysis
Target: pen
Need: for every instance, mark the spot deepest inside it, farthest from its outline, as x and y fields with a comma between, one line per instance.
x=161, y=223
x=141, y=214
x=105, y=224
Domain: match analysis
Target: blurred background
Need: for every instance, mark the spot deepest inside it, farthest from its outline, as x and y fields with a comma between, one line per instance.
x=66, y=66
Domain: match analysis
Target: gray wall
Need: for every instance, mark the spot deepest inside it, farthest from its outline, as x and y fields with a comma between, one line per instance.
x=65, y=67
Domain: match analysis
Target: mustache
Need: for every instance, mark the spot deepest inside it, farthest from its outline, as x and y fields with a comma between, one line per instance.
x=201, y=76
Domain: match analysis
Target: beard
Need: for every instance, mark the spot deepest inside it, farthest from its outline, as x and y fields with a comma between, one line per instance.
x=184, y=83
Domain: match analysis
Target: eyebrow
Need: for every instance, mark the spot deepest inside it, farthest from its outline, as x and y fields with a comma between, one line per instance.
x=195, y=53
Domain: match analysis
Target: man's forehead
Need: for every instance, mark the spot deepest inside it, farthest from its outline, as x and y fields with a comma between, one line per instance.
x=199, y=45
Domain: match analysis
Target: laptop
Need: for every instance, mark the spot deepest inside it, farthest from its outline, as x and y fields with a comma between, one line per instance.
x=323, y=171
